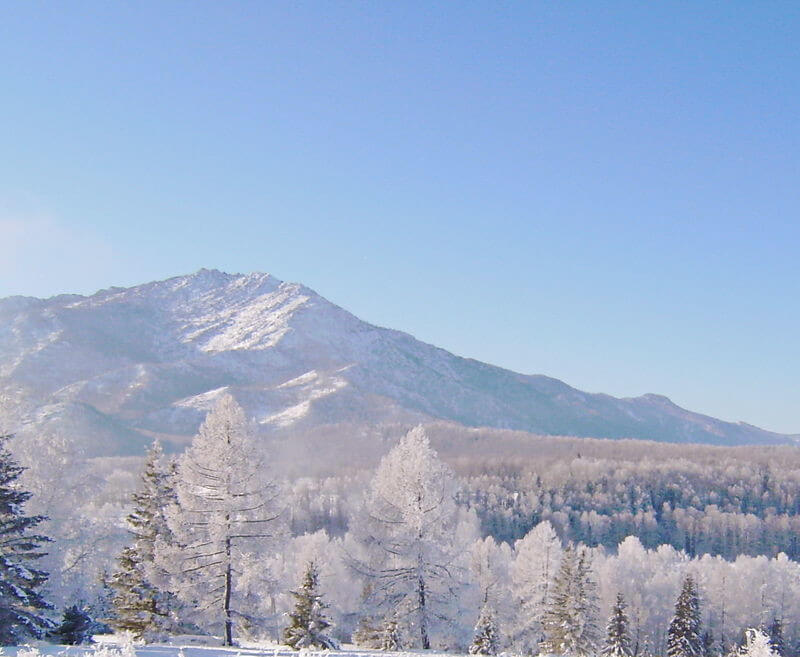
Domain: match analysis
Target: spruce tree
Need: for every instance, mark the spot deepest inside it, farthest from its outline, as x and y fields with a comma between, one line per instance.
x=485, y=641
x=588, y=610
x=684, y=637
x=137, y=605
x=390, y=635
x=776, y=639
x=369, y=633
x=307, y=623
x=618, y=642
x=569, y=623
x=708, y=643
x=21, y=603
x=75, y=628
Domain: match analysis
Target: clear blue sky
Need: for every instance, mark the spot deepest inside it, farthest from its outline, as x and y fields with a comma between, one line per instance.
x=608, y=193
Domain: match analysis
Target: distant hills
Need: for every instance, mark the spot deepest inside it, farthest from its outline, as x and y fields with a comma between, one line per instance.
x=121, y=366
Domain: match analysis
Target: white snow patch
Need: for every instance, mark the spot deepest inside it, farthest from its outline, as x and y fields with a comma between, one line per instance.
x=308, y=377
x=203, y=401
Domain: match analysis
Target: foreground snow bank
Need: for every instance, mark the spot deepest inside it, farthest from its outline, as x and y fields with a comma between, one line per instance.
x=113, y=646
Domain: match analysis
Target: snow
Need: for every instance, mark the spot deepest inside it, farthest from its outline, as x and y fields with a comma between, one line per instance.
x=308, y=377
x=204, y=401
x=149, y=358
x=180, y=647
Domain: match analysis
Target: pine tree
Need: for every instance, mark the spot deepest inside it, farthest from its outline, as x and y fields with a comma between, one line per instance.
x=708, y=643
x=307, y=623
x=138, y=605
x=75, y=628
x=485, y=641
x=684, y=635
x=587, y=607
x=390, y=635
x=369, y=633
x=776, y=639
x=228, y=508
x=570, y=622
x=618, y=642
x=21, y=603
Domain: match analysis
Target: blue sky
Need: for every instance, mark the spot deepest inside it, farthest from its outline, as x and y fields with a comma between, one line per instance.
x=607, y=193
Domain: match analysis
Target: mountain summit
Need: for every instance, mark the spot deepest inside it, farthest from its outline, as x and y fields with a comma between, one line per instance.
x=124, y=365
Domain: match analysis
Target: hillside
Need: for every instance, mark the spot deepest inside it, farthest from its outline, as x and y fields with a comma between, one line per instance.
x=124, y=365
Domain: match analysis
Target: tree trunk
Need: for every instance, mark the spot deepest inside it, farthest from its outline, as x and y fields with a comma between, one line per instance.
x=423, y=615
x=228, y=641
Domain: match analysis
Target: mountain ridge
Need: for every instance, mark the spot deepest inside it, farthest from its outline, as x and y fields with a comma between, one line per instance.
x=126, y=364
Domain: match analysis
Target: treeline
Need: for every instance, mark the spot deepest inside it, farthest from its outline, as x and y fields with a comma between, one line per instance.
x=211, y=550
x=700, y=499
x=724, y=510
x=485, y=553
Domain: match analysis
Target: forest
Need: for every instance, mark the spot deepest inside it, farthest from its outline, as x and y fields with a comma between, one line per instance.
x=590, y=546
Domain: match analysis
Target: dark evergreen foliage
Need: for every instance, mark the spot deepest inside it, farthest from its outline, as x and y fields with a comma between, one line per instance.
x=708, y=643
x=76, y=627
x=684, y=637
x=618, y=642
x=137, y=605
x=369, y=633
x=776, y=639
x=390, y=635
x=22, y=606
x=307, y=623
x=485, y=641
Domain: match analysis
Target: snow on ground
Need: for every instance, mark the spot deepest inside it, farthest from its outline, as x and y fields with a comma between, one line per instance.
x=111, y=647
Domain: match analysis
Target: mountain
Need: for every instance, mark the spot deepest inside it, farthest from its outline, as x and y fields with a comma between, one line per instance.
x=123, y=365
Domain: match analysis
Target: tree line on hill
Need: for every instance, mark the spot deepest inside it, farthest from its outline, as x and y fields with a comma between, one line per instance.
x=211, y=550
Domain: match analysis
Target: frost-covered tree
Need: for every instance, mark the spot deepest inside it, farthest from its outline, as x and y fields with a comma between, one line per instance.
x=83, y=502
x=227, y=509
x=485, y=641
x=339, y=588
x=390, y=635
x=618, y=642
x=368, y=634
x=308, y=625
x=489, y=564
x=536, y=562
x=22, y=606
x=408, y=530
x=684, y=637
x=757, y=644
x=570, y=622
x=138, y=604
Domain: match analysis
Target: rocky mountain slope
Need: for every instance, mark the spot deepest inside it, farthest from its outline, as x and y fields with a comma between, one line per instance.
x=121, y=366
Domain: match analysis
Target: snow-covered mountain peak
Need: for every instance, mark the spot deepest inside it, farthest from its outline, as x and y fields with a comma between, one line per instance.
x=124, y=364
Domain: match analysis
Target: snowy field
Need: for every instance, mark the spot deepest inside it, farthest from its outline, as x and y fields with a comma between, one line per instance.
x=110, y=646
